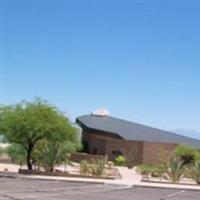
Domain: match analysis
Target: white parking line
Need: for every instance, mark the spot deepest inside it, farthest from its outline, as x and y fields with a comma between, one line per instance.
x=172, y=195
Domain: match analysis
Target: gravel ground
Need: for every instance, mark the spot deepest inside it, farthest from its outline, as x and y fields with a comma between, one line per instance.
x=28, y=189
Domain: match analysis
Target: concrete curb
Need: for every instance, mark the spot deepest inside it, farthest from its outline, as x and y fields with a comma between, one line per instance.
x=169, y=186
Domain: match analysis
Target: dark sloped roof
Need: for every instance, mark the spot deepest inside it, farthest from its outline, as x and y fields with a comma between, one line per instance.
x=133, y=131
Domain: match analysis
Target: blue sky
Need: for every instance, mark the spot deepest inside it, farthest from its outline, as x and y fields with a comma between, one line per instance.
x=138, y=59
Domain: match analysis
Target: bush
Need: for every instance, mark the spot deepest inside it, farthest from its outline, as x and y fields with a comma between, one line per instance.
x=196, y=171
x=186, y=154
x=176, y=170
x=97, y=169
x=197, y=157
x=120, y=160
x=84, y=167
x=145, y=169
x=159, y=170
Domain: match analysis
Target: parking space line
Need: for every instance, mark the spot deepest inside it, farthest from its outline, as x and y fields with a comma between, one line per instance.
x=172, y=195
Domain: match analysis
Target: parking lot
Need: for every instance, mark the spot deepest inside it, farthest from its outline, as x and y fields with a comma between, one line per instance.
x=27, y=189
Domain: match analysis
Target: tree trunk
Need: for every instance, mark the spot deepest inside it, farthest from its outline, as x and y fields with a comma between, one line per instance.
x=31, y=145
x=28, y=158
x=51, y=168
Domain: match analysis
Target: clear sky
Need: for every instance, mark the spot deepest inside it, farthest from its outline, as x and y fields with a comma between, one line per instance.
x=138, y=59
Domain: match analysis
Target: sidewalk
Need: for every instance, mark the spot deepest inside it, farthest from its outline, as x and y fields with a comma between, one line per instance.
x=130, y=178
x=121, y=182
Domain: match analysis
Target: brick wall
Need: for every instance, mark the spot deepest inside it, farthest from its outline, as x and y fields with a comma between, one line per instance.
x=95, y=143
x=136, y=152
x=132, y=150
x=154, y=151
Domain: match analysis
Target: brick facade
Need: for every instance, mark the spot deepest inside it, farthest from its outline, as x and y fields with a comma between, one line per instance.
x=136, y=152
x=154, y=152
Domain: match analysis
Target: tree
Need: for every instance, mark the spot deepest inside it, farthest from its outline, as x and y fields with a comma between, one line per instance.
x=17, y=154
x=49, y=152
x=27, y=123
x=187, y=154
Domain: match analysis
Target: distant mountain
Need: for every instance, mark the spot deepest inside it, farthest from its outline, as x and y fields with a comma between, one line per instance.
x=189, y=133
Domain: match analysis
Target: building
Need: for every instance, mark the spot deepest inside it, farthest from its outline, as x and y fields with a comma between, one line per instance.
x=106, y=135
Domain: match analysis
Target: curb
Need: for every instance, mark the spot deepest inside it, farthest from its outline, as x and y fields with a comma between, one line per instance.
x=171, y=186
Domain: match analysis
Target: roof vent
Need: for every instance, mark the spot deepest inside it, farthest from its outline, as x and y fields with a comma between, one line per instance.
x=101, y=112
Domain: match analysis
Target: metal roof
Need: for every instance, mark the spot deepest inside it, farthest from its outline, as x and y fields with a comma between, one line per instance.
x=133, y=131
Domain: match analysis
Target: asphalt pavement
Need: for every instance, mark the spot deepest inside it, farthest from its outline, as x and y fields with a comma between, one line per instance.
x=15, y=188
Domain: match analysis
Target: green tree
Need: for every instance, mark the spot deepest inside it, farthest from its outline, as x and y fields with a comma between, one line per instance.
x=186, y=154
x=27, y=123
x=17, y=154
x=50, y=152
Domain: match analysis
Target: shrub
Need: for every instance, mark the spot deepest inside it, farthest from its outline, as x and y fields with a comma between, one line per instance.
x=84, y=167
x=175, y=170
x=145, y=169
x=159, y=170
x=197, y=157
x=120, y=160
x=95, y=167
x=196, y=171
x=186, y=154
x=100, y=167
